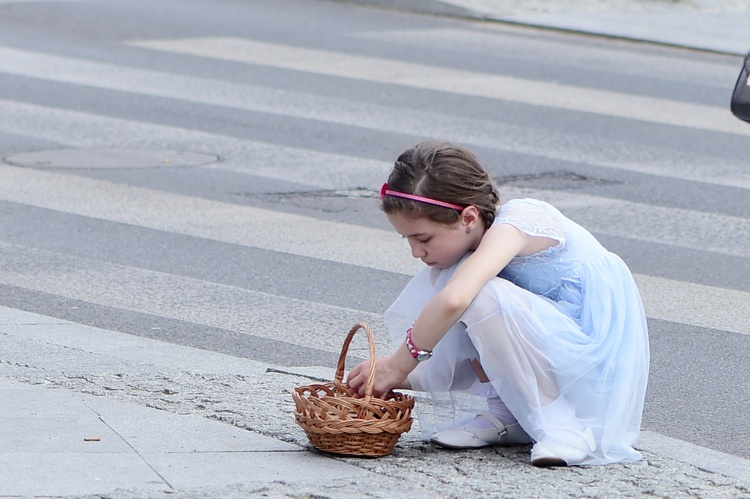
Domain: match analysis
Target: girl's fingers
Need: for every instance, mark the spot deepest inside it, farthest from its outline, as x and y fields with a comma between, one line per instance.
x=351, y=377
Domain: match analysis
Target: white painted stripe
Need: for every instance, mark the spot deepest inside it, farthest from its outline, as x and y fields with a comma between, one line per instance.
x=470, y=132
x=306, y=236
x=35, y=333
x=695, y=304
x=229, y=223
x=378, y=249
x=187, y=299
x=547, y=49
x=462, y=82
x=722, y=234
x=257, y=227
x=291, y=164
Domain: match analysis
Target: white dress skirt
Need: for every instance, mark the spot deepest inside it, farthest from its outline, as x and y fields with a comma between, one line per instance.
x=561, y=335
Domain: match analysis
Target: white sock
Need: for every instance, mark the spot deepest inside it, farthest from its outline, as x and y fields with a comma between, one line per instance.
x=496, y=407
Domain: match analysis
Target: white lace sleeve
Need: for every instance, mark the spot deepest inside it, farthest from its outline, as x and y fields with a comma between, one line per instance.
x=532, y=217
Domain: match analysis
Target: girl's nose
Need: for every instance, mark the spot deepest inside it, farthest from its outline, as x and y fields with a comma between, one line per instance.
x=417, y=251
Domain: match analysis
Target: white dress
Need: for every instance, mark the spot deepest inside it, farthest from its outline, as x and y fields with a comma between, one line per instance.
x=560, y=330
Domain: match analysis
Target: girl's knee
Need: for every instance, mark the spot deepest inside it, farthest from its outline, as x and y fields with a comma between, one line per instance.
x=498, y=296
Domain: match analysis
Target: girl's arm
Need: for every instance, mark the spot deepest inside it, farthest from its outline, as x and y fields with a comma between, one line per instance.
x=499, y=245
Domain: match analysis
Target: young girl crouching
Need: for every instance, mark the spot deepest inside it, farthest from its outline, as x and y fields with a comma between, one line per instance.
x=518, y=303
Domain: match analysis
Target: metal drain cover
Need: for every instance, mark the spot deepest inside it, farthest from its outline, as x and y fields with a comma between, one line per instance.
x=100, y=159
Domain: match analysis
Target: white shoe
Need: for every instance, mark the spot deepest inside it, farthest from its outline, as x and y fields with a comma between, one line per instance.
x=564, y=447
x=468, y=437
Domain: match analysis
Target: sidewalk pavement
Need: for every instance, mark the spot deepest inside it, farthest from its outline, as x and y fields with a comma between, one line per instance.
x=88, y=412
x=712, y=25
x=60, y=442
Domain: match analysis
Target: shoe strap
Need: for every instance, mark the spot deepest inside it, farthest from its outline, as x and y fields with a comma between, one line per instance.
x=495, y=422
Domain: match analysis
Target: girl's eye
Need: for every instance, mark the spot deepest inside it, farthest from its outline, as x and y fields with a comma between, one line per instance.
x=423, y=241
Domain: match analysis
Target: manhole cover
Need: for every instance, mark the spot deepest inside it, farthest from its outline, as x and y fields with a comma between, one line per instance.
x=557, y=180
x=93, y=159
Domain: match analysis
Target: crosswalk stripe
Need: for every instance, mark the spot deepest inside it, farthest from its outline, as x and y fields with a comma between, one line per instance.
x=225, y=222
x=243, y=156
x=422, y=76
x=183, y=298
x=471, y=132
x=27, y=333
x=722, y=234
x=287, y=163
x=694, y=304
x=305, y=236
x=628, y=60
x=219, y=221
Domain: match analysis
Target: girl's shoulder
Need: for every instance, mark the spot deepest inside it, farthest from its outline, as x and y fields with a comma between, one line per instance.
x=532, y=216
x=524, y=207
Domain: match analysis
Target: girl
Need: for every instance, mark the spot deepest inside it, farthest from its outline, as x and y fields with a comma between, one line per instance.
x=518, y=303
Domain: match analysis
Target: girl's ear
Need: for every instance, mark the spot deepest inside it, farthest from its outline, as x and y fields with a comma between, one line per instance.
x=470, y=218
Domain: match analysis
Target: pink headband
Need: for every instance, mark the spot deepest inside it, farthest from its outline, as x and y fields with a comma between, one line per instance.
x=385, y=192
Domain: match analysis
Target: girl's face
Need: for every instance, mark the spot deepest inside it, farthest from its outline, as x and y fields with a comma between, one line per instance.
x=436, y=244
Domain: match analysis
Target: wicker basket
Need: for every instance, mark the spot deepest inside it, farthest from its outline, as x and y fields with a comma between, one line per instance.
x=335, y=421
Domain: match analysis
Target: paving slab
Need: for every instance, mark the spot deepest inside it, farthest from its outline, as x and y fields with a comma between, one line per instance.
x=72, y=474
x=58, y=442
x=726, y=33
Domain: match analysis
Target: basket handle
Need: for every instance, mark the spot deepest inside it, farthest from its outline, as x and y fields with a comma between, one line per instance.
x=345, y=349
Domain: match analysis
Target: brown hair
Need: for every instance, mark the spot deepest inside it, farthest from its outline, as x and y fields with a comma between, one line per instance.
x=444, y=172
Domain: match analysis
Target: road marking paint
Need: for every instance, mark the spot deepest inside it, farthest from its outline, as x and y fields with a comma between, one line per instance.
x=471, y=132
x=219, y=221
x=544, y=48
x=28, y=330
x=182, y=298
x=314, y=238
x=695, y=304
x=287, y=163
x=462, y=82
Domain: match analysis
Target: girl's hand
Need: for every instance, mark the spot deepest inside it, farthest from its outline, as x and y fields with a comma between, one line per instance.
x=388, y=376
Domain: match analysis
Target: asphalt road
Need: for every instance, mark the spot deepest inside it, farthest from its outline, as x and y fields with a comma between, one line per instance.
x=269, y=244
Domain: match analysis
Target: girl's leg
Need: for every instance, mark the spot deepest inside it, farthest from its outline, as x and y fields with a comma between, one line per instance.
x=496, y=426
x=496, y=331
x=495, y=404
x=516, y=362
